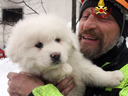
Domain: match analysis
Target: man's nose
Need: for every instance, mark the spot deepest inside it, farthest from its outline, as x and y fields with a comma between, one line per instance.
x=90, y=23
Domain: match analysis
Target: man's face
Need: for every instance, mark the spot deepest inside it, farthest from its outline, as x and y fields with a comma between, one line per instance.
x=97, y=35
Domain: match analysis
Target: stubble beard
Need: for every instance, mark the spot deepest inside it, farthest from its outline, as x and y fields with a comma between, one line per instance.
x=100, y=49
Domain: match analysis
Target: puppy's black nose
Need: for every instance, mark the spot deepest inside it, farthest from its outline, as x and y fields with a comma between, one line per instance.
x=55, y=55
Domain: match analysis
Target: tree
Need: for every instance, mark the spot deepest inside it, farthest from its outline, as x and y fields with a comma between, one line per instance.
x=74, y=15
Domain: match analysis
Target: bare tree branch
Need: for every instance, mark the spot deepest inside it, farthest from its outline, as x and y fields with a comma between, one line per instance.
x=16, y=2
x=29, y=7
x=43, y=6
x=25, y=4
x=6, y=23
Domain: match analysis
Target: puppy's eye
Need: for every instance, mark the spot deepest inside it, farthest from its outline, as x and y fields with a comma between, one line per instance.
x=39, y=45
x=57, y=40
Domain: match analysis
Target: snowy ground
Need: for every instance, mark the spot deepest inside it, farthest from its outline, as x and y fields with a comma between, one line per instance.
x=7, y=66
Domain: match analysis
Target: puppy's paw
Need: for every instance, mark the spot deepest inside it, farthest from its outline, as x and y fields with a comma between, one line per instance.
x=66, y=70
x=59, y=73
x=116, y=78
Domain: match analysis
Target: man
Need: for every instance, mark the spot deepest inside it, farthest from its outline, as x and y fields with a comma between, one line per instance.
x=103, y=42
x=101, y=38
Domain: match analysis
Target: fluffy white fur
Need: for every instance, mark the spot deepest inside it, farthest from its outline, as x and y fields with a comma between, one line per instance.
x=46, y=29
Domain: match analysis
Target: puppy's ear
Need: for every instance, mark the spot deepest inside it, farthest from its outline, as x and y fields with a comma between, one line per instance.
x=74, y=40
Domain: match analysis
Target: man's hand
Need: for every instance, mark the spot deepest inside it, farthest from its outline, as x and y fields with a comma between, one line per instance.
x=22, y=84
x=64, y=87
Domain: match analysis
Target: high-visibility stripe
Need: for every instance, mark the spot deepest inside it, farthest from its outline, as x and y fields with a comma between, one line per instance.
x=105, y=64
x=124, y=92
x=124, y=83
x=47, y=90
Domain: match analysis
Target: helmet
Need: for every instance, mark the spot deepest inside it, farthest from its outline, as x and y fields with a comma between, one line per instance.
x=122, y=5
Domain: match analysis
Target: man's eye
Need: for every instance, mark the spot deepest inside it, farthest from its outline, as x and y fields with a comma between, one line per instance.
x=86, y=16
x=39, y=45
x=57, y=40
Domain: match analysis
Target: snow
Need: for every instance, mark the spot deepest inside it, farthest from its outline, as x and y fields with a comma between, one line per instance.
x=6, y=66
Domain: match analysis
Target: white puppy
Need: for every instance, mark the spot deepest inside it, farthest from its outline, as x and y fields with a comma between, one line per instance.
x=44, y=45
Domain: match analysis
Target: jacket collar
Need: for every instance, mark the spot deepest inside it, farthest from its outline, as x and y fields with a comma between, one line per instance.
x=110, y=56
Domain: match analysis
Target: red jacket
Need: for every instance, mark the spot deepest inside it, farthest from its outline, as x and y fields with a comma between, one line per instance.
x=2, y=55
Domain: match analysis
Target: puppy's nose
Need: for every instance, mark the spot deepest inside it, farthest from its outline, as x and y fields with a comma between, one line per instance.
x=55, y=55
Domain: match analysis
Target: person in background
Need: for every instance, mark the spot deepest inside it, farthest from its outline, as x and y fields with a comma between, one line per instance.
x=103, y=27
x=2, y=54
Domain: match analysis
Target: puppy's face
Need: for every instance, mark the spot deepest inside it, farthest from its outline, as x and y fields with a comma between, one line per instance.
x=40, y=43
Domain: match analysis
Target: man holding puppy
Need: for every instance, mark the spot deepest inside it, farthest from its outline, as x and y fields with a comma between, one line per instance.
x=101, y=38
